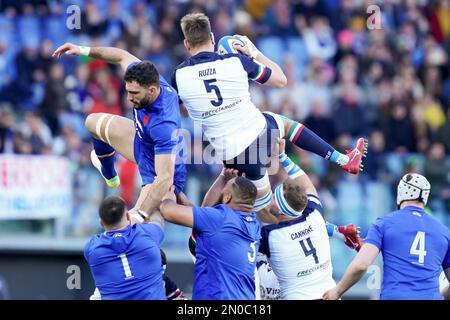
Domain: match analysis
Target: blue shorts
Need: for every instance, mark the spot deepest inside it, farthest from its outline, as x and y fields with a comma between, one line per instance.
x=255, y=159
x=145, y=159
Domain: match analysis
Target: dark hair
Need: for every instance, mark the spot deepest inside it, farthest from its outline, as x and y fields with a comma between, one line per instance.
x=112, y=210
x=144, y=73
x=295, y=195
x=244, y=191
x=196, y=28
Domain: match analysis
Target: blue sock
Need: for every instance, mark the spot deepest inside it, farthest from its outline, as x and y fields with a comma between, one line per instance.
x=306, y=139
x=106, y=155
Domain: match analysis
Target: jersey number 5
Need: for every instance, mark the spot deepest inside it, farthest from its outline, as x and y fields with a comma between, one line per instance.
x=210, y=87
x=252, y=255
x=418, y=247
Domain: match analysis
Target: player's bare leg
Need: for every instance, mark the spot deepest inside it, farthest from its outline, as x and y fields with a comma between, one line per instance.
x=110, y=133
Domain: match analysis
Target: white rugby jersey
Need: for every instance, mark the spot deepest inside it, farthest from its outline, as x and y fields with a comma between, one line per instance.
x=299, y=253
x=268, y=282
x=215, y=90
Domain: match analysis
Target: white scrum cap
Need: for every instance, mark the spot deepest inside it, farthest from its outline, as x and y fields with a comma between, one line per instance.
x=413, y=186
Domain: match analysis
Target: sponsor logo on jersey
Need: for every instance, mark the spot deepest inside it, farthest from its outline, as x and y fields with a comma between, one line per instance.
x=270, y=293
x=213, y=112
x=309, y=271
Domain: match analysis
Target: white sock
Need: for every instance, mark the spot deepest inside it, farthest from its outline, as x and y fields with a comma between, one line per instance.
x=342, y=159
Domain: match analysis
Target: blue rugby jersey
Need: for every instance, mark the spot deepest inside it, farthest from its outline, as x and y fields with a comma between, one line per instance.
x=414, y=246
x=227, y=244
x=126, y=264
x=158, y=132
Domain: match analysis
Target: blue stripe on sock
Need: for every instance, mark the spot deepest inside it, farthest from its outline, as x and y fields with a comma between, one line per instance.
x=334, y=156
x=294, y=170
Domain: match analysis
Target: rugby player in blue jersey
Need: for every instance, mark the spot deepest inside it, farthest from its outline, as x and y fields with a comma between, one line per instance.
x=415, y=247
x=125, y=260
x=227, y=241
x=153, y=140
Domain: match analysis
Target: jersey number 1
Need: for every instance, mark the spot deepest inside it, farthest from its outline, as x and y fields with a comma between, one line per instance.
x=210, y=87
x=126, y=266
x=418, y=247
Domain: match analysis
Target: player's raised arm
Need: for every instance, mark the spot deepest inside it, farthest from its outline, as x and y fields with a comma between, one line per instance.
x=357, y=268
x=214, y=193
x=277, y=77
x=108, y=54
x=173, y=212
x=151, y=194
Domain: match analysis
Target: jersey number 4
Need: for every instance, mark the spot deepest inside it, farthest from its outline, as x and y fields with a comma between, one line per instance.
x=418, y=247
x=311, y=250
x=212, y=87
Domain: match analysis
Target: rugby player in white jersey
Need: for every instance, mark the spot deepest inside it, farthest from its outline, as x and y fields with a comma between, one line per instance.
x=298, y=247
x=214, y=89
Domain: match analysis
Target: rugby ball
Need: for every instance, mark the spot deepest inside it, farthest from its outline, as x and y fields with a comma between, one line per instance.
x=225, y=44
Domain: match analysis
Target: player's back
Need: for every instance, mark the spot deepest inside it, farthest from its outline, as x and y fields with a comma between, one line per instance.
x=215, y=90
x=414, y=247
x=227, y=243
x=299, y=253
x=126, y=264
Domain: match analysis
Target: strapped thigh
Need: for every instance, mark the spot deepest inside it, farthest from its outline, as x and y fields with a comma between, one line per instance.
x=102, y=127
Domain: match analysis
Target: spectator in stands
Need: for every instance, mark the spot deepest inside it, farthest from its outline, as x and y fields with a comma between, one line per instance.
x=7, y=120
x=398, y=130
x=405, y=63
x=443, y=133
x=437, y=170
x=55, y=98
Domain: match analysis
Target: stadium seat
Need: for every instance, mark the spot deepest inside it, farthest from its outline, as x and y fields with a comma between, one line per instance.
x=379, y=201
x=273, y=48
x=350, y=199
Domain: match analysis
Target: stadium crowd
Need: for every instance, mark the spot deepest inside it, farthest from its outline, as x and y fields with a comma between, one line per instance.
x=391, y=85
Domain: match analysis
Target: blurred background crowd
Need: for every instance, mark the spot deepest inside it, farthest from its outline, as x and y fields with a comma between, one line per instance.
x=345, y=80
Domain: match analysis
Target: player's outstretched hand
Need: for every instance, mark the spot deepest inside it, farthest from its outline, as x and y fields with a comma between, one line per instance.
x=279, y=147
x=351, y=234
x=332, y=294
x=249, y=49
x=170, y=195
x=135, y=217
x=67, y=48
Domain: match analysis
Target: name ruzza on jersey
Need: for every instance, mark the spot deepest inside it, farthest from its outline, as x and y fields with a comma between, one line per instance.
x=207, y=72
x=302, y=233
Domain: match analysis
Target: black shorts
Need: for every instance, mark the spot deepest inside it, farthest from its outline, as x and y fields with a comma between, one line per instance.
x=255, y=159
